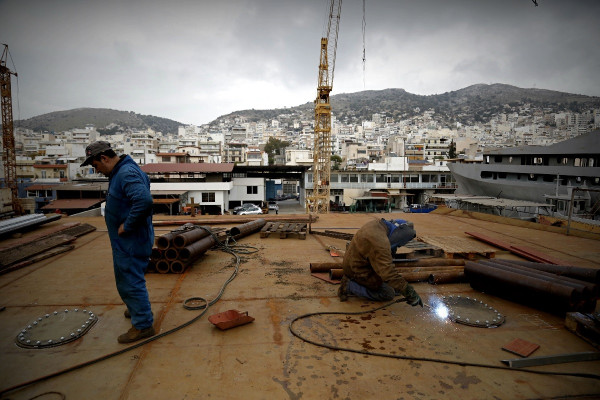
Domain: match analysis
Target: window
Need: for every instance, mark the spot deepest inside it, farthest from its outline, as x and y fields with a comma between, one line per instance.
x=367, y=178
x=353, y=178
x=381, y=178
x=333, y=178
x=251, y=189
x=208, y=197
x=344, y=177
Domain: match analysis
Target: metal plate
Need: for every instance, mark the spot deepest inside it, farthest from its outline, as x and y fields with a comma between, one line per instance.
x=472, y=312
x=56, y=329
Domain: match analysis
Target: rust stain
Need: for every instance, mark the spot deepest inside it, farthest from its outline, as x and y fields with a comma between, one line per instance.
x=366, y=344
x=325, y=301
x=464, y=381
x=275, y=316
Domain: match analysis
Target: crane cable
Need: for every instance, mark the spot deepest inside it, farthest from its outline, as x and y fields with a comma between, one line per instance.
x=234, y=249
x=364, y=56
x=415, y=358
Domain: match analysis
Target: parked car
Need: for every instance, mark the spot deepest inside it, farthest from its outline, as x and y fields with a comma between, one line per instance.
x=243, y=207
x=250, y=210
x=273, y=206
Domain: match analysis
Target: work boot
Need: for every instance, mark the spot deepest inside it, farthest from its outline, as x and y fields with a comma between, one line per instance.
x=127, y=314
x=343, y=289
x=133, y=334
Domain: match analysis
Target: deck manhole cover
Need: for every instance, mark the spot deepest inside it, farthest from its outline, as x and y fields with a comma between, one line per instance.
x=56, y=329
x=472, y=312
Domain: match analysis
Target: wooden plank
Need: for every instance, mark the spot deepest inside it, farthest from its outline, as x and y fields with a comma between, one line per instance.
x=457, y=245
x=11, y=256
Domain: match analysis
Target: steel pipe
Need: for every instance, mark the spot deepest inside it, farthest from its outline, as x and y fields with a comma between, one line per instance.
x=438, y=278
x=184, y=239
x=336, y=273
x=429, y=262
x=171, y=254
x=587, y=289
x=324, y=267
x=431, y=269
x=196, y=249
x=162, y=266
x=518, y=285
x=583, y=274
x=156, y=254
x=248, y=228
x=177, y=266
x=163, y=242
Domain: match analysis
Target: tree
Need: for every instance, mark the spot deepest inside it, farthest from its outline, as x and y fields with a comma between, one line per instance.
x=274, y=147
x=336, y=160
x=452, y=150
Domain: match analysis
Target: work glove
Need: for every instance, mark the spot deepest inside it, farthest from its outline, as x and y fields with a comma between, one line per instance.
x=412, y=296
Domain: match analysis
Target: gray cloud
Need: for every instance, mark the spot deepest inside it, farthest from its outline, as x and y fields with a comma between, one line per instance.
x=195, y=60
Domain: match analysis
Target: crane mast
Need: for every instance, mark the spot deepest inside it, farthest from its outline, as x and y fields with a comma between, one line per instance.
x=8, y=137
x=322, y=136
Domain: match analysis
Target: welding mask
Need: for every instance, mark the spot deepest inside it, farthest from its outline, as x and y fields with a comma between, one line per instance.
x=400, y=232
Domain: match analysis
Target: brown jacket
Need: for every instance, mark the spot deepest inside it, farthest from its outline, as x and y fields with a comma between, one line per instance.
x=368, y=260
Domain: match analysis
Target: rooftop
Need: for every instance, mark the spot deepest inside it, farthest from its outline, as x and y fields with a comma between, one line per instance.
x=395, y=352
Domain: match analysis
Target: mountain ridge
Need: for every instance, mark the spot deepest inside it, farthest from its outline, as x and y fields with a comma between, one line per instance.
x=470, y=105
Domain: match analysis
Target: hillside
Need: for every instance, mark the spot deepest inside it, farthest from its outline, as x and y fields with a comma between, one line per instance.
x=105, y=120
x=473, y=104
x=476, y=103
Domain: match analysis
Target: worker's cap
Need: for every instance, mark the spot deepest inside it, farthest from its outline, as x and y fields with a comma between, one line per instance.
x=93, y=150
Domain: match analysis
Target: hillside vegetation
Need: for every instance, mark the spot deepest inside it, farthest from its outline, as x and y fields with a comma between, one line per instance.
x=105, y=120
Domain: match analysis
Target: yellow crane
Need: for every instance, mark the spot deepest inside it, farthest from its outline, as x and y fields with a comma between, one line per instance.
x=8, y=136
x=318, y=201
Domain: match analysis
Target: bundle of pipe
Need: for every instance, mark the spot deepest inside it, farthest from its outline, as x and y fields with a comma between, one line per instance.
x=178, y=249
x=531, y=286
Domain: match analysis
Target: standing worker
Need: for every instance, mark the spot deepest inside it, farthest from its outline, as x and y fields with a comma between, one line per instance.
x=368, y=264
x=128, y=216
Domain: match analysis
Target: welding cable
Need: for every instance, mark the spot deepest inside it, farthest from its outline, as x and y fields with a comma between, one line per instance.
x=415, y=358
x=234, y=249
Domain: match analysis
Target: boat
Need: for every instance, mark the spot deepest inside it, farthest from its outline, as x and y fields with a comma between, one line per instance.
x=560, y=174
x=421, y=208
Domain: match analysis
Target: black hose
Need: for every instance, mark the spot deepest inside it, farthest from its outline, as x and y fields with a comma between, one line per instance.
x=233, y=249
x=415, y=358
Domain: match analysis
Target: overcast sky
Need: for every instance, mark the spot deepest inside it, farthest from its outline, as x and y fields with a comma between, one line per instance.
x=194, y=60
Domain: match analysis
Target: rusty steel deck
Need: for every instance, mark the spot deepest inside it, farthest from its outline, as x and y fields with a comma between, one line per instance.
x=395, y=352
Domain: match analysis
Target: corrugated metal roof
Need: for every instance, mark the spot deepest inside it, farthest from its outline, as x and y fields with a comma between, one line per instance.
x=162, y=168
x=70, y=204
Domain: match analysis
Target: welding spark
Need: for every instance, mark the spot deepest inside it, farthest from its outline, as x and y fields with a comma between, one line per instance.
x=441, y=311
